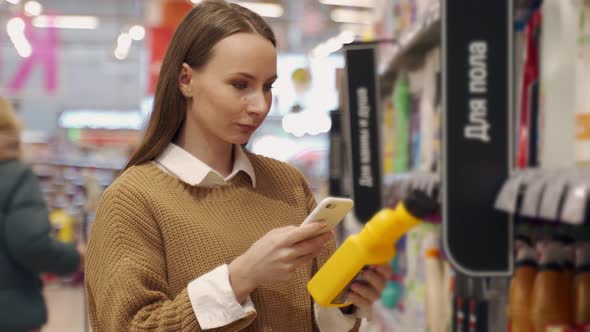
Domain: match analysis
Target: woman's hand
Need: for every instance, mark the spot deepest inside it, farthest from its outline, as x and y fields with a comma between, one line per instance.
x=364, y=295
x=275, y=256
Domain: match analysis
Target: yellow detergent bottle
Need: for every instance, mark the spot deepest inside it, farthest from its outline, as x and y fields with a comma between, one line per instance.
x=374, y=245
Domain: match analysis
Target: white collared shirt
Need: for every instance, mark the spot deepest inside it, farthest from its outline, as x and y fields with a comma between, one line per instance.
x=212, y=297
x=189, y=169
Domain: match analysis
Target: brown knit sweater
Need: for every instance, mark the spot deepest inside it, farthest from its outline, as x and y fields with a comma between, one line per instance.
x=153, y=234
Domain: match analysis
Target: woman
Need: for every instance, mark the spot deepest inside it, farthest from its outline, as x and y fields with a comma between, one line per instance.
x=198, y=234
x=26, y=247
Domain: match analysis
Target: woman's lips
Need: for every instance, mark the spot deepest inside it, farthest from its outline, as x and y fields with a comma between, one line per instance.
x=247, y=127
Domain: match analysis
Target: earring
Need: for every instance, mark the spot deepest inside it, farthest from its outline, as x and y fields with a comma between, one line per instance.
x=187, y=93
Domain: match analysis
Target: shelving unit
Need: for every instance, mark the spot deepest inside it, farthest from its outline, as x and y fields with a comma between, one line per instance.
x=411, y=47
x=72, y=189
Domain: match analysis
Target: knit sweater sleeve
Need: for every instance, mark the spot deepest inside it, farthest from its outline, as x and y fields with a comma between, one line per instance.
x=126, y=275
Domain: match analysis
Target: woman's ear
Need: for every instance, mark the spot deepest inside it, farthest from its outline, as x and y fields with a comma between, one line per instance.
x=184, y=80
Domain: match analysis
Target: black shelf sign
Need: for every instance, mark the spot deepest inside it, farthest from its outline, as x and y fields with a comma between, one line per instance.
x=336, y=157
x=477, y=133
x=363, y=108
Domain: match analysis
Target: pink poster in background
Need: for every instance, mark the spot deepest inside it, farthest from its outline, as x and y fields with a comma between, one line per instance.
x=44, y=44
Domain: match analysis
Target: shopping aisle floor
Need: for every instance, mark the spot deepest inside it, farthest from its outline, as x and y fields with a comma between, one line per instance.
x=66, y=308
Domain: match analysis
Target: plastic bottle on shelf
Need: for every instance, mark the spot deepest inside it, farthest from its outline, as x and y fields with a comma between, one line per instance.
x=521, y=290
x=550, y=303
x=392, y=293
x=581, y=286
x=401, y=106
x=567, y=261
x=435, y=290
x=373, y=245
x=448, y=287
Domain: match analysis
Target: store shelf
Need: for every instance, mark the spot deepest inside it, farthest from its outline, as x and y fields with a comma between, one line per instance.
x=411, y=48
x=109, y=167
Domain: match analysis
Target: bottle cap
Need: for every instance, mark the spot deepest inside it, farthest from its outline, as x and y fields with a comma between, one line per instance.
x=550, y=253
x=526, y=254
x=582, y=254
x=419, y=204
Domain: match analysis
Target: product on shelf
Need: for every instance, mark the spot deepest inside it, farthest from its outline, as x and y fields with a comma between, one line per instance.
x=551, y=303
x=582, y=102
x=392, y=294
x=435, y=288
x=528, y=126
x=401, y=106
x=64, y=224
x=428, y=111
x=581, y=285
x=521, y=290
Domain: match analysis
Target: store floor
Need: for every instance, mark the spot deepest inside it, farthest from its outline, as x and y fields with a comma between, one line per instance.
x=66, y=308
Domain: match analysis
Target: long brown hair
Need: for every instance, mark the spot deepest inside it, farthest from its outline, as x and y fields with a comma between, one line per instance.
x=8, y=119
x=203, y=27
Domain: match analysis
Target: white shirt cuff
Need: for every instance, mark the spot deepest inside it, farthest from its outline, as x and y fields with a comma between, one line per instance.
x=332, y=319
x=214, y=301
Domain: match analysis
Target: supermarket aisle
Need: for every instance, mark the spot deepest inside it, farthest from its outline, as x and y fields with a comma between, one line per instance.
x=65, y=308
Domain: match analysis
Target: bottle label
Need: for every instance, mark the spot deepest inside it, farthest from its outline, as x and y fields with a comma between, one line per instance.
x=343, y=295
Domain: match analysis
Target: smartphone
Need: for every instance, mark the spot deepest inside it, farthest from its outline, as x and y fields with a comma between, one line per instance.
x=332, y=210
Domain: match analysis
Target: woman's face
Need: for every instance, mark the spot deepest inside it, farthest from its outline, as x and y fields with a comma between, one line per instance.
x=230, y=96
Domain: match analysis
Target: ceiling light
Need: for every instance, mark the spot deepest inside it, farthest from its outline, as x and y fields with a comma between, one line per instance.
x=124, y=41
x=137, y=32
x=306, y=123
x=332, y=45
x=350, y=3
x=14, y=2
x=263, y=9
x=121, y=54
x=16, y=32
x=346, y=36
x=66, y=22
x=33, y=8
x=101, y=119
x=352, y=16
x=22, y=46
x=15, y=26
